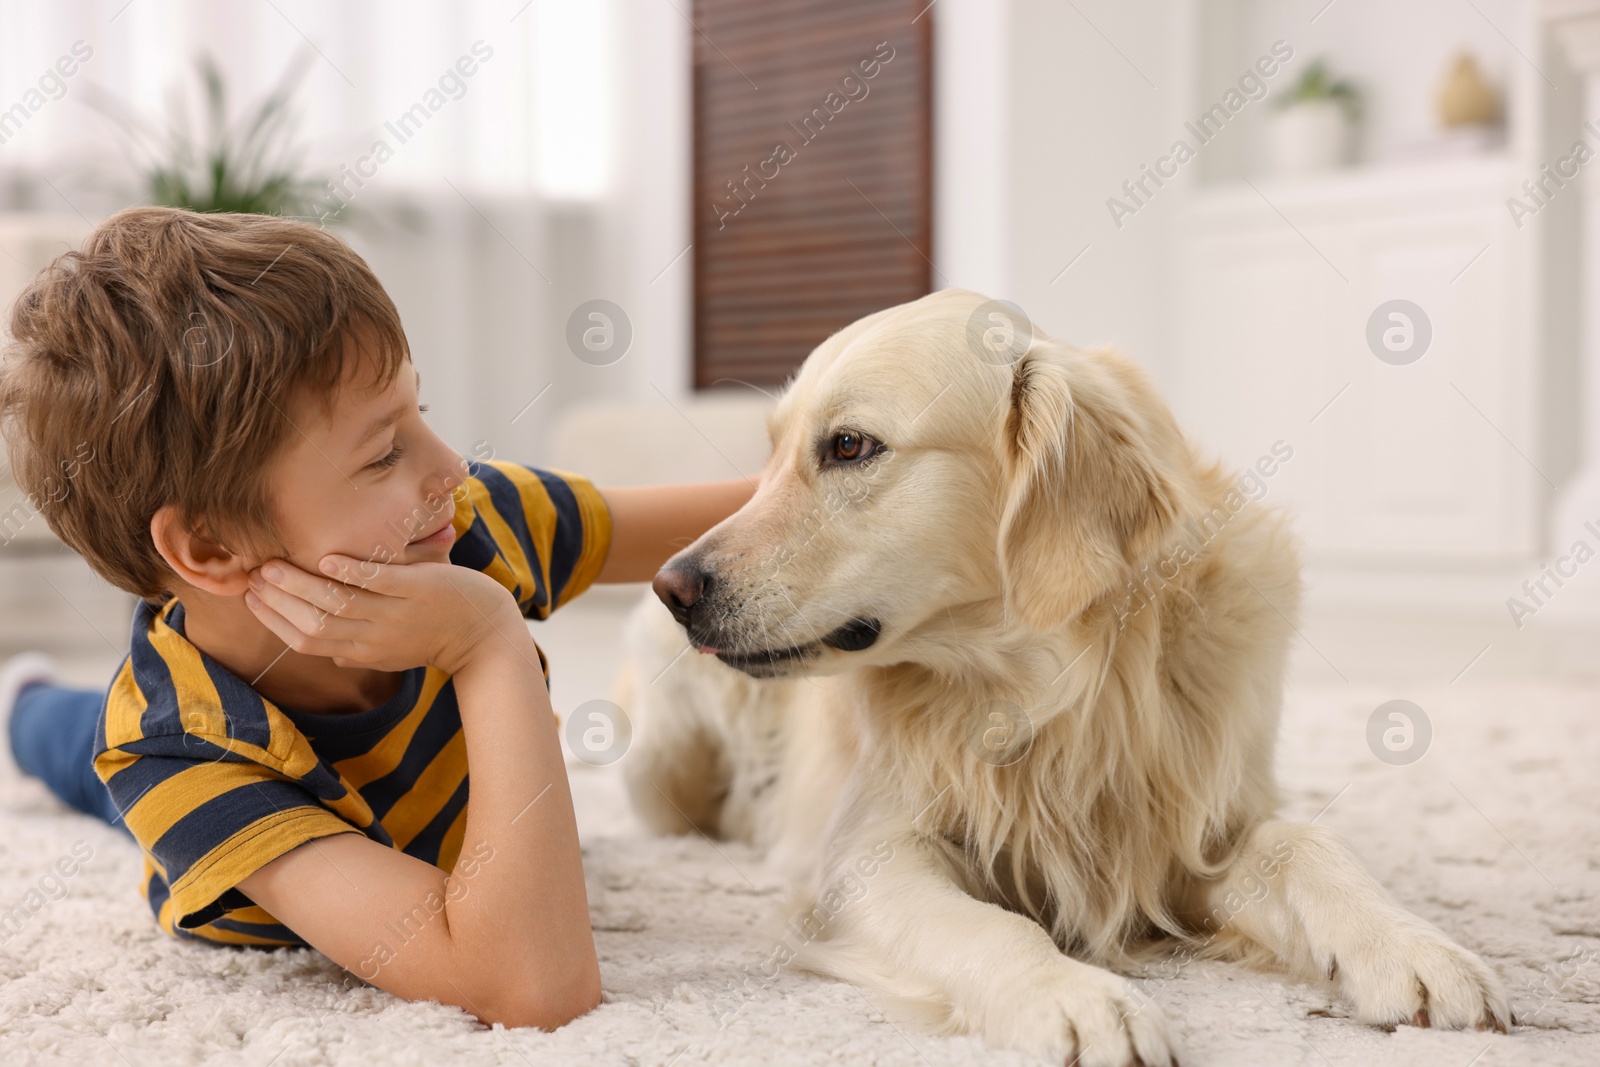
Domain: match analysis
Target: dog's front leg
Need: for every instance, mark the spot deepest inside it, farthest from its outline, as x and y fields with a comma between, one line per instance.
x=908, y=931
x=1298, y=894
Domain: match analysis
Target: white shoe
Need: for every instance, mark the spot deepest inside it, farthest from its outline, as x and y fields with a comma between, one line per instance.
x=18, y=671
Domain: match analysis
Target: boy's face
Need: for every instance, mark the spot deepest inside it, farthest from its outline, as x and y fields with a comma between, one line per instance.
x=372, y=483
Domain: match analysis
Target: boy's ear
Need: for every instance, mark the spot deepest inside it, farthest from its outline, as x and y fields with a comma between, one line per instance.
x=196, y=560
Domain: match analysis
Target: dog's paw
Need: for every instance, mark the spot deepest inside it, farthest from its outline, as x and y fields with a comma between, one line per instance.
x=1409, y=972
x=1076, y=1014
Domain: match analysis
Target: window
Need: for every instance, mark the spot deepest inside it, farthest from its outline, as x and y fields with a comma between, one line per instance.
x=812, y=175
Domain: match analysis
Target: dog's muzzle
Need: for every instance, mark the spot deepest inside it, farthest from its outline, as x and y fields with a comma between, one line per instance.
x=684, y=587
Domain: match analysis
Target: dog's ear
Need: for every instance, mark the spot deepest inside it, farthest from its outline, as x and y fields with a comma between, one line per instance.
x=1089, y=493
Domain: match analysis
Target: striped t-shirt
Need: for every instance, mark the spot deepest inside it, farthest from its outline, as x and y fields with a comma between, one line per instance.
x=215, y=781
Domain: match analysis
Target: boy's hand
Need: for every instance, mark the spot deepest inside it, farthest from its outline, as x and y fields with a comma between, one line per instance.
x=386, y=616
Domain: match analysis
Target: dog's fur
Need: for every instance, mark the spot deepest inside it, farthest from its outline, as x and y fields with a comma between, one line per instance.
x=1058, y=750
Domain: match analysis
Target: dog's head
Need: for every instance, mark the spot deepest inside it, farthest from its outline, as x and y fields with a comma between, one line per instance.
x=912, y=474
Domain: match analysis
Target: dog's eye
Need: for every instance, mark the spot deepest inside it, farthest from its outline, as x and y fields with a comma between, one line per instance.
x=851, y=447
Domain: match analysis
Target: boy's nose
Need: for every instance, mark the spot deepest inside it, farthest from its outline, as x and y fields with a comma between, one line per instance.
x=447, y=479
x=681, y=586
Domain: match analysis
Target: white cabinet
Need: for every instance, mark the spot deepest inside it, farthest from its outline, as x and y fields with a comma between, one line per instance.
x=1433, y=461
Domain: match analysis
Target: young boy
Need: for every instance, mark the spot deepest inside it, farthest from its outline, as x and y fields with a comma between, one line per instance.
x=219, y=413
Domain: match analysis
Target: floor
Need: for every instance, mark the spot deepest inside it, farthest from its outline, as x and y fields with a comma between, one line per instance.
x=1493, y=835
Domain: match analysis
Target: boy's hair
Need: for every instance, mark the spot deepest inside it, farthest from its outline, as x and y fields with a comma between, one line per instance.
x=158, y=365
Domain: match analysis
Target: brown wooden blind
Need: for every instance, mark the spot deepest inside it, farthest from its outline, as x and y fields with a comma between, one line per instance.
x=812, y=175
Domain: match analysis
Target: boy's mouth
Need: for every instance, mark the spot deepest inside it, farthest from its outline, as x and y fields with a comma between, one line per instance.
x=444, y=536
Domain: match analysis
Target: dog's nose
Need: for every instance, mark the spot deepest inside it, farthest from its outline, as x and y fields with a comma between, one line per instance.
x=680, y=588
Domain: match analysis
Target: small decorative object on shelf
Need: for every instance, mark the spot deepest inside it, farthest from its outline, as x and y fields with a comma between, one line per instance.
x=1469, y=110
x=1465, y=97
x=1314, y=127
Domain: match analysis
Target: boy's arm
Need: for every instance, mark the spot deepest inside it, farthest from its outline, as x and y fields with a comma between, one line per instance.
x=651, y=522
x=506, y=936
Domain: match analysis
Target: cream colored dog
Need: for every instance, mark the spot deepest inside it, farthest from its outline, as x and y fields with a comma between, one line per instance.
x=1020, y=656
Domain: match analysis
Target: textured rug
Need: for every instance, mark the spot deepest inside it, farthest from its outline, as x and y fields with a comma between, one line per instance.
x=1494, y=835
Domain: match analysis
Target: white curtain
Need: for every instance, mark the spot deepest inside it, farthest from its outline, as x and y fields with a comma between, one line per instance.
x=534, y=113
x=536, y=157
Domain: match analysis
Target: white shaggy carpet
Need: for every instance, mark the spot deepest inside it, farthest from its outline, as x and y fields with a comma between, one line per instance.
x=1494, y=835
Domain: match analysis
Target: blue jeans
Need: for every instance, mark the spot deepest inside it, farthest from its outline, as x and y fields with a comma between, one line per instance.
x=52, y=738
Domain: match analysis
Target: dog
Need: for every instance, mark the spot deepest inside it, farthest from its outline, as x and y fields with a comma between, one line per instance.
x=991, y=667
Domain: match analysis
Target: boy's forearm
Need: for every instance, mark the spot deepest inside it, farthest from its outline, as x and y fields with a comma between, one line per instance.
x=512, y=942
x=521, y=928
x=651, y=522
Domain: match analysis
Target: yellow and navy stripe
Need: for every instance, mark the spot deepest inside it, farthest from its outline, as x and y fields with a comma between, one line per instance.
x=516, y=524
x=215, y=781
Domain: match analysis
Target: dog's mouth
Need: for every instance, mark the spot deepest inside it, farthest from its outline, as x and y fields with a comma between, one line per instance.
x=853, y=636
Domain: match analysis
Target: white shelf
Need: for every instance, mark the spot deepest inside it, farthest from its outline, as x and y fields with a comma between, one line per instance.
x=1367, y=181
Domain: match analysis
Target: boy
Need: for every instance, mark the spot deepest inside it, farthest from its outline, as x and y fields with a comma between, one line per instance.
x=218, y=412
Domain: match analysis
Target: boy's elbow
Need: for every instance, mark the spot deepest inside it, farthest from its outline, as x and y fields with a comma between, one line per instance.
x=547, y=1005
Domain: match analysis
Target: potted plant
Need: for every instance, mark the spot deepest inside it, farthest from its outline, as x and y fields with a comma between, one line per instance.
x=249, y=164
x=1314, y=125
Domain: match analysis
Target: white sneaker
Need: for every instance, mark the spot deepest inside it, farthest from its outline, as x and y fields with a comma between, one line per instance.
x=16, y=672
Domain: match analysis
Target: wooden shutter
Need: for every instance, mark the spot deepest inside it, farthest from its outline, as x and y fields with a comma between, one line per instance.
x=812, y=181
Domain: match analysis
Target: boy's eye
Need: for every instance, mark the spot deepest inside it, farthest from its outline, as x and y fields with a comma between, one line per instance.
x=389, y=460
x=394, y=453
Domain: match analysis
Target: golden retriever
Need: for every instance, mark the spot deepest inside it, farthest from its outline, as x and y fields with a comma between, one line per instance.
x=991, y=665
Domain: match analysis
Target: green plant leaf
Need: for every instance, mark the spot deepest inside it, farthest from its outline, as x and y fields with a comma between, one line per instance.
x=254, y=164
x=1317, y=83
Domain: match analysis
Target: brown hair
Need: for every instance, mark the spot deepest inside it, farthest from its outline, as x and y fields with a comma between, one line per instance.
x=157, y=365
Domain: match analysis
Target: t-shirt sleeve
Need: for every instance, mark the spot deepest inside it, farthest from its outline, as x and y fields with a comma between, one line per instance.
x=209, y=817
x=543, y=534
